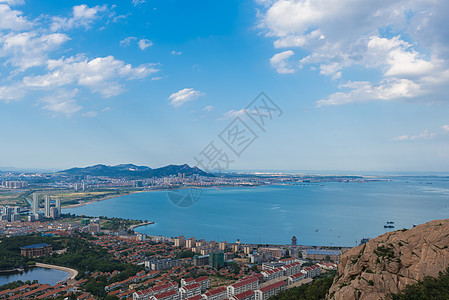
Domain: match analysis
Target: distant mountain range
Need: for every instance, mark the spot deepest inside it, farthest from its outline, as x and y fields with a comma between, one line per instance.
x=134, y=172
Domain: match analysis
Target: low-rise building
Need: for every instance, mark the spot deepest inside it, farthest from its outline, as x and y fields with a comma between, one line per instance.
x=297, y=277
x=248, y=295
x=36, y=250
x=292, y=268
x=243, y=286
x=169, y=295
x=318, y=254
x=216, y=294
x=189, y=290
x=312, y=271
x=162, y=264
x=272, y=274
x=156, y=290
x=270, y=290
x=275, y=252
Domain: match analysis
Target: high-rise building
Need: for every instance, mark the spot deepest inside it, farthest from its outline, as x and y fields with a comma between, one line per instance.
x=58, y=205
x=222, y=246
x=216, y=259
x=247, y=249
x=93, y=228
x=47, y=206
x=15, y=217
x=35, y=203
x=180, y=241
x=190, y=243
x=54, y=213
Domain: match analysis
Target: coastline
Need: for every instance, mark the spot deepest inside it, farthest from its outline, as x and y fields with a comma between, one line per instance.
x=132, y=227
x=98, y=200
x=154, y=190
x=72, y=272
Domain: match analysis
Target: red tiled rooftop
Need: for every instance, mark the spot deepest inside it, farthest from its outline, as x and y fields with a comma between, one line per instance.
x=244, y=282
x=216, y=291
x=203, y=278
x=166, y=294
x=297, y=275
x=192, y=286
x=272, y=286
x=20, y=288
x=244, y=294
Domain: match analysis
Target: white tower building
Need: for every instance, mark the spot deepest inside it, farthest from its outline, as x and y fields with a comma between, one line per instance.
x=35, y=203
x=47, y=206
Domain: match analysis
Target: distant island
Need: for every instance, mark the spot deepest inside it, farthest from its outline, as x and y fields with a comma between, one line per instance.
x=131, y=171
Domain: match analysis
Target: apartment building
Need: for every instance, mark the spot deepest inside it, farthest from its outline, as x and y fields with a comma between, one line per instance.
x=242, y=286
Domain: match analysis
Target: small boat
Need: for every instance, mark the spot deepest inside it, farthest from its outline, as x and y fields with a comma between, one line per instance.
x=388, y=226
x=390, y=222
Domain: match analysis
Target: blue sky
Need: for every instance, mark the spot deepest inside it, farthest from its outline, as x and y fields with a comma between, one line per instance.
x=362, y=86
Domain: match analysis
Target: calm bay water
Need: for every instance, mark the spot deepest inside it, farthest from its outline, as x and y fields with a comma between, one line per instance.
x=317, y=214
x=48, y=276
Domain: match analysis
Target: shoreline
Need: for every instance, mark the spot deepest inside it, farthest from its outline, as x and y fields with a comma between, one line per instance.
x=72, y=272
x=132, y=227
x=153, y=190
x=98, y=200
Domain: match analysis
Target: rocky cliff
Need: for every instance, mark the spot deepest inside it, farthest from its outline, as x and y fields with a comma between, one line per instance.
x=391, y=261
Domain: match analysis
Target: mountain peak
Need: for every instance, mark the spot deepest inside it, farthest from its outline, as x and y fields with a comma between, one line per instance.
x=132, y=171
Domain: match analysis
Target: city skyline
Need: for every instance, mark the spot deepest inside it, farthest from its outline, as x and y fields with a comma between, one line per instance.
x=362, y=87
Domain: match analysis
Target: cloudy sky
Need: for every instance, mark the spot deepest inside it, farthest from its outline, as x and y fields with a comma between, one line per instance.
x=359, y=85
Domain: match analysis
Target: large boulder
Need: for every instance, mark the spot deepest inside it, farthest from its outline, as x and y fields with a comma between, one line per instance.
x=390, y=262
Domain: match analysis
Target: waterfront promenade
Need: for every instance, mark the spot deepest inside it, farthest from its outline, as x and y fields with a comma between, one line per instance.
x=72, y=272
x=132, y=227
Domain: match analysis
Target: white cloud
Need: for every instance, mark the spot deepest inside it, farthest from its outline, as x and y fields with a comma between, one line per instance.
x=29, y=49
x=398, y=57
x=234, y=113
x=83, y=16
x=280, y=62
x=445, y=127
x=13, y=2
x=176, y=52
x=185, y=95
x=26, y=45
x=138, y=2
x=101, y=74
x=332, y=69
x=12, y=19
x=127, y=41
x=426, y=135
x=144, y=43
x=208, y=108
x=11, y=93
x=363, y=91
x=336, y=35
x=62, y=103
